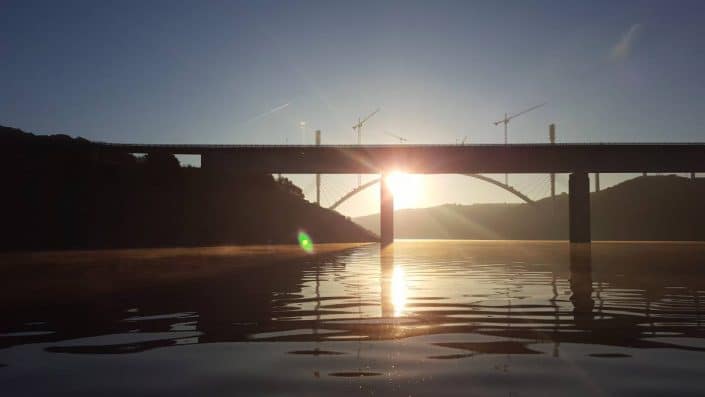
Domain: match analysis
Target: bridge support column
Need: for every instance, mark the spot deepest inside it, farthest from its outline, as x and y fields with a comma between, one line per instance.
x=597, y=181
x=386, y=213
x=318, y=176
x=579, y=207
x=552, y=139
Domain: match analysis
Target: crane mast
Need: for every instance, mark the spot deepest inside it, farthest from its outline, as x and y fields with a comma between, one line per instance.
x=506, y=120
x=358, y=128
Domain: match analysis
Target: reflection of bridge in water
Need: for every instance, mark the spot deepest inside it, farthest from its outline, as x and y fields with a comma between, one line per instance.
x=608, y=305
x=540, y=292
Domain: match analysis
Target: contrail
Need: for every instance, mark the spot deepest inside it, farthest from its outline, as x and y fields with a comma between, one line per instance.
x=624, y=46
x=279, y=108
x=267, y=113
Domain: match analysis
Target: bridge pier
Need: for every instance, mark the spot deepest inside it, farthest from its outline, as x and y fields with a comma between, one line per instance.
x=579, y=207
x=597, y=181
x=386, y=213
x=318, y=176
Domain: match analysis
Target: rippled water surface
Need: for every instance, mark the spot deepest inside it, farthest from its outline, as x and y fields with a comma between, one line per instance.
x=415, y=318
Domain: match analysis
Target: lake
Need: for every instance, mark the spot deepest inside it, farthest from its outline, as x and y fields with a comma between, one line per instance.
x=419, y=317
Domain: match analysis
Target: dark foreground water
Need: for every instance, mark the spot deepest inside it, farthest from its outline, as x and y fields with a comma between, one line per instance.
x=416, y=318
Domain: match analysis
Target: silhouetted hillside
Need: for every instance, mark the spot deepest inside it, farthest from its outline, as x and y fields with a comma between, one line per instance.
x=58, y=193
x=644, y=208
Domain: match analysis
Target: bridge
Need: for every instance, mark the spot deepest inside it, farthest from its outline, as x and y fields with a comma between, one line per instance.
x=495, y=182
x=575, y=159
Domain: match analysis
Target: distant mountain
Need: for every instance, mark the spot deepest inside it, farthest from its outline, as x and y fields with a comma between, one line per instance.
x=644, y=208
x=59, y=193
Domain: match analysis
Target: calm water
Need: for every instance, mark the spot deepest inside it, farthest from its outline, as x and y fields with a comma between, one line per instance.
x=416, y=318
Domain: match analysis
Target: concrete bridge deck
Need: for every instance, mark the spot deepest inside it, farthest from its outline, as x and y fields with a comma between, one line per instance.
x=440, y=159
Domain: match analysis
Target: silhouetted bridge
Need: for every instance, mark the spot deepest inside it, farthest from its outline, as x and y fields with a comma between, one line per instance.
x=373, y=182
x=576, y=159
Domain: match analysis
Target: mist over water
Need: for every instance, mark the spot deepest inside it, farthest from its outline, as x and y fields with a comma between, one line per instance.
x=417, y=317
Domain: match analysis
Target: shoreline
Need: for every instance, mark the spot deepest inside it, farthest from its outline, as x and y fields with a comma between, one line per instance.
x=160, y=253
x=71, y=276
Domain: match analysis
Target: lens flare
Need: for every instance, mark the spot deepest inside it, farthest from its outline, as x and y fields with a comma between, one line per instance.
x=305, y=242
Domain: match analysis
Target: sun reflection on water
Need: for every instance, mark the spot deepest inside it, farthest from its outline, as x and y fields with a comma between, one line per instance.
x=398, y=290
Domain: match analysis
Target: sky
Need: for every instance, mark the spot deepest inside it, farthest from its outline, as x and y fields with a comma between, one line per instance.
x=440, y=72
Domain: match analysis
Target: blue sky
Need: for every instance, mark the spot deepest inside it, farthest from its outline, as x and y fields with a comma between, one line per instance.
x=249, y=72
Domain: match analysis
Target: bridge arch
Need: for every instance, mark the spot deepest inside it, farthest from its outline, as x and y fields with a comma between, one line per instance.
x=495, y=182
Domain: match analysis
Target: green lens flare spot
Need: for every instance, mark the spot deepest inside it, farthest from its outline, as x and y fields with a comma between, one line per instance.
x=305, y=242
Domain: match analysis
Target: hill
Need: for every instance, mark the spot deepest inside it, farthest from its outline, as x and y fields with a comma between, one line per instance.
x=58, y=194
x=644, y=208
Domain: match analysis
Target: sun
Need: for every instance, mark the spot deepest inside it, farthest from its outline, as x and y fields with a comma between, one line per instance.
x=406, y=188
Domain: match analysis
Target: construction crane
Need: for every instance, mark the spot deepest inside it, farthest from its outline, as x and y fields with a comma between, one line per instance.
x=506, y=120
x=358, y=127
x=400, y=138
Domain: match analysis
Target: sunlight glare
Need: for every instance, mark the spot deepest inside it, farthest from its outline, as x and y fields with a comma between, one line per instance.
x=406, y=188
x=398, y=290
